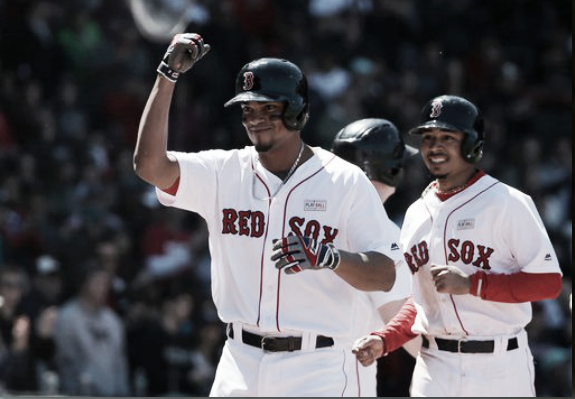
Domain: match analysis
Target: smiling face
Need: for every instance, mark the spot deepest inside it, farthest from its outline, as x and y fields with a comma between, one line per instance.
x=441, y=153
x=264, y=124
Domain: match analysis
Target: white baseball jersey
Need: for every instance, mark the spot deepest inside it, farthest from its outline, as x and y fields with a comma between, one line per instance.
x=326, y=198
x=488, y=227
x=491, y=227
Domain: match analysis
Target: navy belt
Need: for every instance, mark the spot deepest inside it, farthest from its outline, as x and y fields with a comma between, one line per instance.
x=453, y=345
x=278, y=344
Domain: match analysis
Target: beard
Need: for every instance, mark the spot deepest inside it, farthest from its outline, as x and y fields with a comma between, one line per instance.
x=439, y=176
x=262, y=148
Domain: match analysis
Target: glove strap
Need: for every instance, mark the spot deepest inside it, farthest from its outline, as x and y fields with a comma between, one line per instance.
x=336, y=257
x=168, y=72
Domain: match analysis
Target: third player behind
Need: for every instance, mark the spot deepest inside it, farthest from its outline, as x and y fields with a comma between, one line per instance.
x=376, y=146
x=479, y=254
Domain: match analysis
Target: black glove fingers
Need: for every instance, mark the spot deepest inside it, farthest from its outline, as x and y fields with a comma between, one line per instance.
x=197, y=39
x=284, y=242
x=205, y=50
x=197, y=46
x=285, y=261
x=293, y=269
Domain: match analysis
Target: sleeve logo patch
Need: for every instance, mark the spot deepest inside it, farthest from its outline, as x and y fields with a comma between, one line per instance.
x=394, y=246
x=315, y=205
x=466, y=224
x=548, y=257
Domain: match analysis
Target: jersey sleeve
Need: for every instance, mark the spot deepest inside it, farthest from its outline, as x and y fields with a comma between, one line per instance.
x=516, y=287
x=197, y=186
x=398, y=331
x=368, y=223
x=526, y=236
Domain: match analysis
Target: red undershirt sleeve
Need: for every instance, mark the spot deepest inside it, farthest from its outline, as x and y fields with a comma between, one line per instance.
x=398, y=331
x=173, y=189
x=517, y=287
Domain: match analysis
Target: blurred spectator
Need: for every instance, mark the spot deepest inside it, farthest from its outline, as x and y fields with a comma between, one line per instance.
x=110, y=255
x=90, y=340
x=46, y=287
x=166, y=244
x=168, y=362
x=16, y=367
x=41, y=306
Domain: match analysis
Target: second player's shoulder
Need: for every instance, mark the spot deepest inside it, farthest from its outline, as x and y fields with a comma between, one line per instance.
x=337, y=166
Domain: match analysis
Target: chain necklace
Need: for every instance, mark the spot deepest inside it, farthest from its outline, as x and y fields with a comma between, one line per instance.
x=450, y=191
x=291, y=171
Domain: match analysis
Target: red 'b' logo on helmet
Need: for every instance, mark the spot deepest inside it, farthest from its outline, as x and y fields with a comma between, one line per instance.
x=248, y=81
x=436, y=107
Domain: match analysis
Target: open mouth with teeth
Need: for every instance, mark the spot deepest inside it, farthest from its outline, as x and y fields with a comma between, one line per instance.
x=437, y=159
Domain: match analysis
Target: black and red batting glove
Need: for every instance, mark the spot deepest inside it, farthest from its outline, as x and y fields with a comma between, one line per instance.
x=296, y=253
x=184, y=51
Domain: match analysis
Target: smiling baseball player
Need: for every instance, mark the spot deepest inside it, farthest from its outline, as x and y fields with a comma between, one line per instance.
x=294, y=231
x=479, y=254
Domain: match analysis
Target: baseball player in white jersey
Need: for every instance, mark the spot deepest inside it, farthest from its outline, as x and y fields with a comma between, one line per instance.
x=376, y=146
x=295, y=232
x=479, y=254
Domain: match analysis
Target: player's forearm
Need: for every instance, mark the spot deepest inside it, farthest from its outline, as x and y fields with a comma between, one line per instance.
x=151, y=162
x=370, y=271
x=398, y=332
x=517, y=287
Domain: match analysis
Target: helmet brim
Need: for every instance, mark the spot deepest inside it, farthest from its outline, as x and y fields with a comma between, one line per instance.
x=410, y=151
x=253, y=96
x=434, y=124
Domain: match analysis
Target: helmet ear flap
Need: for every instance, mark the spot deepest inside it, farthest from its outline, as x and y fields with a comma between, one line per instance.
x=472, y=148
x=296, y=115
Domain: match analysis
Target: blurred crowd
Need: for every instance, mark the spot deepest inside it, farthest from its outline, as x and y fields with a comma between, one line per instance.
x=105, y=293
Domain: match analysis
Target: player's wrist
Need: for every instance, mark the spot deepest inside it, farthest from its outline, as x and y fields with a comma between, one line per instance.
x=167, y=72
x=382, y=339
x=335, y=259
x=476, y=284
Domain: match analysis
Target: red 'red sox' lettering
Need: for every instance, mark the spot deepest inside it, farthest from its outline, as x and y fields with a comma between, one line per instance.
x=418, y=257
x=243, y=223
x=252, y=224
x=312, y=229
x=466, y=252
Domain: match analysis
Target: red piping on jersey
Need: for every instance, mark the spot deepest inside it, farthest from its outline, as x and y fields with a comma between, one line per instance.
x=445, y=246
x=284, y=233
x=263, y=247
x=357, y=377
x=344, y=375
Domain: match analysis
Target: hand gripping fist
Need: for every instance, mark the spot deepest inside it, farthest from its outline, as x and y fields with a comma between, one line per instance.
x=368, y=349
x=184, y=51
x=295, y=253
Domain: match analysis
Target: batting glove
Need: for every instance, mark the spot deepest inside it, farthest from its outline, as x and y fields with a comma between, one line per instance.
x=295, y=253
x=184, y=51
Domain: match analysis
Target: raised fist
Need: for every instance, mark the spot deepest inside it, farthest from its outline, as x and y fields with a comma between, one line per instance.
x=184, y=51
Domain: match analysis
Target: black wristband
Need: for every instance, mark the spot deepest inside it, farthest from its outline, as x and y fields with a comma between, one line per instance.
x=168, y=72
